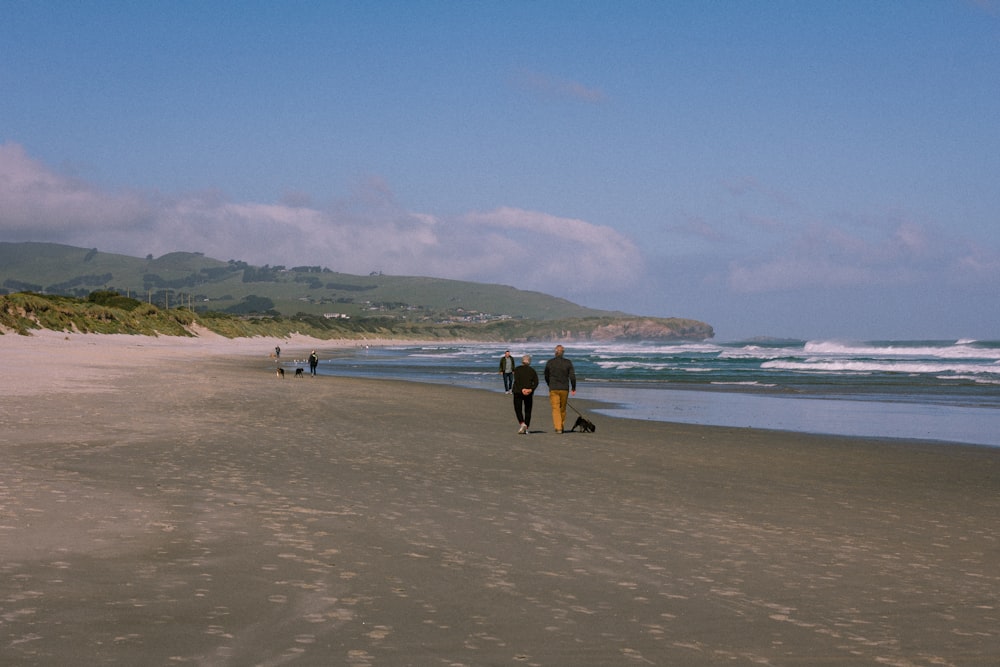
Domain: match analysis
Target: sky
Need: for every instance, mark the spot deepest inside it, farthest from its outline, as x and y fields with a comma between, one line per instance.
x=804, y=169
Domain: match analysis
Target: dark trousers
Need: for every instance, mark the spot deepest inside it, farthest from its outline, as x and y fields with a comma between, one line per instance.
x=508, y=381
x=522, y=407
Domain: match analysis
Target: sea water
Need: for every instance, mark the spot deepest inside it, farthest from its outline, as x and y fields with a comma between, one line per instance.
x=932, y=390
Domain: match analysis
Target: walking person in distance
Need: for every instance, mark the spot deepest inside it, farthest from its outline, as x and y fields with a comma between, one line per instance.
x=524, y=384
x=561, y=380
x=507, y=371
x=313, y=362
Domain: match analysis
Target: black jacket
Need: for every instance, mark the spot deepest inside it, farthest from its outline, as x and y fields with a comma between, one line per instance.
x=559, y=374
x=525, y=377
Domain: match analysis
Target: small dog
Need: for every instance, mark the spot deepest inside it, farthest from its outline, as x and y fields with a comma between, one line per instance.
x=281, y=372
x=299, y=373
x=585, y=425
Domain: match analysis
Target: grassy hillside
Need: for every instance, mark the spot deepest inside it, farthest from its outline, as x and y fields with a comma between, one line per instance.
x=202, y=284
x=44, y=285
x=108, y=312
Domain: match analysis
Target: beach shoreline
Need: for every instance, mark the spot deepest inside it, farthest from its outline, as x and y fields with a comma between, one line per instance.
x=172, y=501
x=46, y=360
x=681, y=385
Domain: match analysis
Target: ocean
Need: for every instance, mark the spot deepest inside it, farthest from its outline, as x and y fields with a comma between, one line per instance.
x=946, y=391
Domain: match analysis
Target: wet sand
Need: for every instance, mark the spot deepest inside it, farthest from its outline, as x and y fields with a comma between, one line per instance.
x=166, y=503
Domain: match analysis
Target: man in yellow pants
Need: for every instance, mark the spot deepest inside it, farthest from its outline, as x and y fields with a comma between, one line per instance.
x=561, y=380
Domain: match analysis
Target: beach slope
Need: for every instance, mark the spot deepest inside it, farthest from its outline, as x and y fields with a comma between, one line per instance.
x=175, y=502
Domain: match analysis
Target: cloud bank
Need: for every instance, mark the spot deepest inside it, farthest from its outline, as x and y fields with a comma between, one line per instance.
x=890, y=254
x=369, y=232
x=770, y=249
x=549, y=86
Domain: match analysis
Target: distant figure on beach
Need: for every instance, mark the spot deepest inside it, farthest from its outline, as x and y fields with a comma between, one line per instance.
x=523, y=387
x=507, y=371
x=313, y=362
x=561, y=380
x=277, y=352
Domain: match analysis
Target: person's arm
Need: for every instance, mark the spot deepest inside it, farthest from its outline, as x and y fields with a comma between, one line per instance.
x=572, y=378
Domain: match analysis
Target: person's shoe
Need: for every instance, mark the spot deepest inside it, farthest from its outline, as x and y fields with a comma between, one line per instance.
x=523, y=429
x=558, y=430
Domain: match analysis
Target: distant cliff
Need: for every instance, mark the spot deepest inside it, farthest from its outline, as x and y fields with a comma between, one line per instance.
x=651, y=328
x=600, y=329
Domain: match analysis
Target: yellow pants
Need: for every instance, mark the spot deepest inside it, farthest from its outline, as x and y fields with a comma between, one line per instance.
x=558, y=398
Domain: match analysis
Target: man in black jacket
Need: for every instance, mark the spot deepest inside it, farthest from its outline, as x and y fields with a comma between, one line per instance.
x=561, y=380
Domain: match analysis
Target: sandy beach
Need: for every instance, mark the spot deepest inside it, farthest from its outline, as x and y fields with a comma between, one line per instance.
x=171, y=501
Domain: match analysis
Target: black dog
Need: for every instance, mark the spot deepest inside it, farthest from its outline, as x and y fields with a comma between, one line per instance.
x=585, y=425
x=299, y=373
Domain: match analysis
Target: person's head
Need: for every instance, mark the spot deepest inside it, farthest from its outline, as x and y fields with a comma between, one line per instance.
x=526, y=359
x=559, y=350
x=507, y=353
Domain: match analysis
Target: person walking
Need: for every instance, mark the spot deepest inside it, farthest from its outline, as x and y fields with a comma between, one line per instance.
x=313, y=362
x=523, y=387
x=561, y=380
x=507, y=371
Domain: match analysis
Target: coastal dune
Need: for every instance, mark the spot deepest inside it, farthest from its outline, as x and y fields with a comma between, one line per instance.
x=172, y=501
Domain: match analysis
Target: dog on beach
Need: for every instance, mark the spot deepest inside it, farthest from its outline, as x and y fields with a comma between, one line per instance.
x=585, y=425
x=299, y=373
x=281, y=372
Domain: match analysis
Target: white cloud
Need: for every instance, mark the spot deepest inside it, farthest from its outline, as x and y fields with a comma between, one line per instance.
x=36, y=203
x=784, y=273
x=976, y=265
x=575, y=254
x=526, y=249
x=891, y=253
x=698, y=227
x=562, y=88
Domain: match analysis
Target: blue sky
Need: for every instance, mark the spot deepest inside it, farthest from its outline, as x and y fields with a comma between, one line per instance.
x=804, y=169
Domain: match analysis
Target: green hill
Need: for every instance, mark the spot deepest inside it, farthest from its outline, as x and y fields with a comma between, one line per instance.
x=332, y=300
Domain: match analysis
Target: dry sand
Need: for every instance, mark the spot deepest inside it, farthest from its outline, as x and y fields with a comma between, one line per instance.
x=171, y=502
